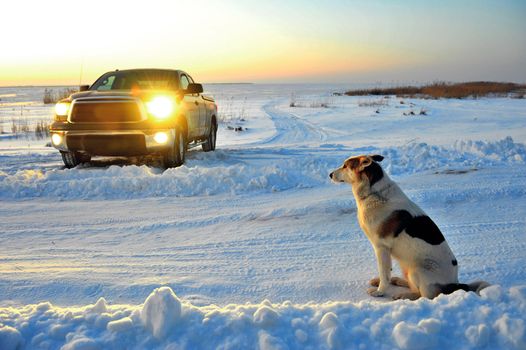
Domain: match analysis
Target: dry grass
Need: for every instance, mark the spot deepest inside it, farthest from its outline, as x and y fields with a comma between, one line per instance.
x=20, y=128
x=53, y=96
x=449, y=90
x=375, y=103
x=230, y=113
x=42, y=130
x=325, y=102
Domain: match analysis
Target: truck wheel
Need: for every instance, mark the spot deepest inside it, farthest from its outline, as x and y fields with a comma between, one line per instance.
x=85, y=158
x=210, y=143
x=175, y=155
x=72, y=159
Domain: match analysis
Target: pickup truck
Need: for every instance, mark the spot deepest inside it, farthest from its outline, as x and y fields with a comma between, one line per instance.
x=135, y=112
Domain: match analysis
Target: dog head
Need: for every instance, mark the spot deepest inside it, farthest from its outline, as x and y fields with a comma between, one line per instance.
x=358, y=169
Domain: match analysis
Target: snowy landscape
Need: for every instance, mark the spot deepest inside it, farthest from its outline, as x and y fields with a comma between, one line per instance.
x=252, y=246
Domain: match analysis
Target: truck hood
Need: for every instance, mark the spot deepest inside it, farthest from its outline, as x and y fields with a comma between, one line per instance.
x=144, y=94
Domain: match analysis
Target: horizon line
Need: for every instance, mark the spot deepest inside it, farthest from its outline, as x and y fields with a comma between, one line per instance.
x=402, y=83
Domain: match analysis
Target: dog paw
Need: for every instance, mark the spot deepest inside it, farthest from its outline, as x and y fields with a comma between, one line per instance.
x=398, y=297
x=375, y=282
x=400, y=282
x=406, y=296
x=374, y=292
x=395, y=281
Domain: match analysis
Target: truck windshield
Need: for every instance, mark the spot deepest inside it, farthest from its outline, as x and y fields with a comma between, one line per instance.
x=143, y=80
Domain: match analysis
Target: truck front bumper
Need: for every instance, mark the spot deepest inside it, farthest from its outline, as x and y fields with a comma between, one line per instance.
x=113, y=143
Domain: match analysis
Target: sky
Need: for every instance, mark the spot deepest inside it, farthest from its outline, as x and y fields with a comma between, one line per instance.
x=70, y=42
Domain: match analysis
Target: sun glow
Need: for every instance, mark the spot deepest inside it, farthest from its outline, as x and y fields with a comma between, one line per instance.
x=231, y=41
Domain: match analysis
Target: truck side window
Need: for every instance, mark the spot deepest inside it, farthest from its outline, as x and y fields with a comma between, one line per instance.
x=107, y=83
x=184, y=82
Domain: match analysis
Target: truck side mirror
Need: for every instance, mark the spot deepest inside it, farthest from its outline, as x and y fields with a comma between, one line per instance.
x=194, y=88
x=83, y=88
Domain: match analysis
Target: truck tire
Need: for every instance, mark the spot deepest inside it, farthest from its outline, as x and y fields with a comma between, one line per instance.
x=210, y=143
x=72, y=159
x=176, y=154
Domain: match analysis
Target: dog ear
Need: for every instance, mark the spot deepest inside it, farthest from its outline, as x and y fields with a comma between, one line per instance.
x=365, y=161
x=377, y=157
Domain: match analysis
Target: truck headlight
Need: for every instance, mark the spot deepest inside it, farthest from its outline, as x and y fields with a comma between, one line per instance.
x=56, y=139
x=161, y=137
x=160, y=107
x=62, y=109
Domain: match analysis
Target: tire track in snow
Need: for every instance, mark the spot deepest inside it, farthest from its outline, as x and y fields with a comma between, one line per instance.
x=291, y=129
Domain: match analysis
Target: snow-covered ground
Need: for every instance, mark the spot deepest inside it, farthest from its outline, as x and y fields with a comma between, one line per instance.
x=260, y=249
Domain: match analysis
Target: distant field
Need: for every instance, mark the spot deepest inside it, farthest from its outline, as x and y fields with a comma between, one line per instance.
x=449, y=90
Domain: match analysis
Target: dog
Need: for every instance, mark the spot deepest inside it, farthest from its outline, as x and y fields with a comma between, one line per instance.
x=397, y=228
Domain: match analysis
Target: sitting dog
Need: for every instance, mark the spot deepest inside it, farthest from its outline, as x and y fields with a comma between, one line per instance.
x=397, y=228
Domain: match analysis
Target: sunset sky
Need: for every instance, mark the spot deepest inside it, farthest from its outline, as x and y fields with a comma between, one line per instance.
x=47, y=42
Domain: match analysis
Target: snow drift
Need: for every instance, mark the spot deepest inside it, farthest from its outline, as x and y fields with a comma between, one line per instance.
x=460, y=320
x=241, y=171
x=417, y=157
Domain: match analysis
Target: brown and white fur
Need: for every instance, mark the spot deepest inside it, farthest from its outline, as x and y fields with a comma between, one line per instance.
x=397, y=228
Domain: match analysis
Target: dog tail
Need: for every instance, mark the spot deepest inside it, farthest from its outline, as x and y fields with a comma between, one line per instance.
x=476, y=287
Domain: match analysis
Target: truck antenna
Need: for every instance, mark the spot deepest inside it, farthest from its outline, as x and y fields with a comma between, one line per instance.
x=81, y=69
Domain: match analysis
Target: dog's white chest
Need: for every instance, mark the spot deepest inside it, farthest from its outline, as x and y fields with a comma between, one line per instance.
x=366, y=221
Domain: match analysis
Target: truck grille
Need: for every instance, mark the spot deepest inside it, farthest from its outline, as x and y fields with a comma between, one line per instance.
x=108, y=145
x=105, y=112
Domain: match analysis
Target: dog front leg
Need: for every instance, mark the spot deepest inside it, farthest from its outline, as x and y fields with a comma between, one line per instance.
x=383, y=259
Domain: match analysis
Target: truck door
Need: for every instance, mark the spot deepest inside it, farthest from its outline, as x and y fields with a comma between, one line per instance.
x=191, y=105
x=203, y=120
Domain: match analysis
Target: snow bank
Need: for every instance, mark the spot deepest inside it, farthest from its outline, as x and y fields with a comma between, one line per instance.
x=418, y=157
x=461, y=321
x=160, y=312
x=10, y=338
x=241, y=171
